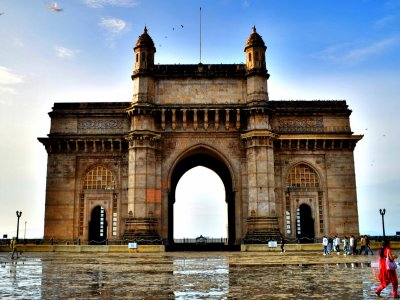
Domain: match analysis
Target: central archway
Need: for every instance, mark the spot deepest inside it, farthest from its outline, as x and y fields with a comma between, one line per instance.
x=210, y=161
x=200, y=208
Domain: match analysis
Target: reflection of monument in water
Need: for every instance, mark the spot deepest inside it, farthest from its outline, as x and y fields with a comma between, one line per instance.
x=287, y=166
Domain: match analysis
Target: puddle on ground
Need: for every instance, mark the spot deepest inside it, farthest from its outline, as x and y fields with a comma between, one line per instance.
x=187, y=276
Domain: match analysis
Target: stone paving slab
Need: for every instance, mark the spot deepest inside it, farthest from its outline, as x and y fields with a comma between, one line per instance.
x=188, y=275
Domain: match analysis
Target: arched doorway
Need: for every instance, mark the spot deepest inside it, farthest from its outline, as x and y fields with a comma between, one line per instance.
x=305, y=224
x=98, y=226
x=200, y=208
x=209, y=161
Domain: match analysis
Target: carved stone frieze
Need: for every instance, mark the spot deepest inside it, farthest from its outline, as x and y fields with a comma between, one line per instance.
x=84, y=124
x=303, y=125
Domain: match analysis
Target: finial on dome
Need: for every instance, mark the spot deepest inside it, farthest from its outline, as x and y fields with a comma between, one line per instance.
x=254, y=29
x=145, y=29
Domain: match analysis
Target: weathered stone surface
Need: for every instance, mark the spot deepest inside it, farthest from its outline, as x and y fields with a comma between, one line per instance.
x=287, y=166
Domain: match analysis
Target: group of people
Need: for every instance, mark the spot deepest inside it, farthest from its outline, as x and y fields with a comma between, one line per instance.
x=333, y=244
x=387, y=264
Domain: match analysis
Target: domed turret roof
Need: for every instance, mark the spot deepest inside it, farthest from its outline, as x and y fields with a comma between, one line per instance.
x=255, y=40
x=144, y=40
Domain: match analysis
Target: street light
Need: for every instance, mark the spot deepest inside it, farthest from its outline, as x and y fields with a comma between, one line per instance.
x=19, y=213
x=382, y=212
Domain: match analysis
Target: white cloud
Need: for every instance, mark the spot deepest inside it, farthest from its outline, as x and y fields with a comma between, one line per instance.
x=8, y=76
x=113, y=29
x=102, y=3
x=113, y=25
x=349, y=54
x=63, y=52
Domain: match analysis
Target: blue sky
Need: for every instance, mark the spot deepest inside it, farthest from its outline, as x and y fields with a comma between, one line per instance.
x=316, y=50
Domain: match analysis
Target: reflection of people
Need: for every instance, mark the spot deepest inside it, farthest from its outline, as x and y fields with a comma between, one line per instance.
x=386, y=276
x=13, y=246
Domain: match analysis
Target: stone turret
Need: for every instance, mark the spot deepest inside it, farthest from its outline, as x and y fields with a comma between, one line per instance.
x=143, y=82
x=255, y=53
x=256, y=71
x=144, y=53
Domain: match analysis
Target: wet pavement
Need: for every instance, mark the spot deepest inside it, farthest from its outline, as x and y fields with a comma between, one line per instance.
x=188, y=275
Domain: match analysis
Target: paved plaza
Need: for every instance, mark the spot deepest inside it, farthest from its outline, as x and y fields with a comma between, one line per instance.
x=188, y=275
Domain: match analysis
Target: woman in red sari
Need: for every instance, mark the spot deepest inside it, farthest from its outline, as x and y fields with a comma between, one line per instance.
x=387, y=276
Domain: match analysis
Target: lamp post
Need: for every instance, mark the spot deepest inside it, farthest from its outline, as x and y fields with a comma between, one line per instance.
x=382, y=212
x=19, y=213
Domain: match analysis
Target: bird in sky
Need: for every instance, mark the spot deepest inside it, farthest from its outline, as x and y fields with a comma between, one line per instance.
x=1, y=13
x=54, y=7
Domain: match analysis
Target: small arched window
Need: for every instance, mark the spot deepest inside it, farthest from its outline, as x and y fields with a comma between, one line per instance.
x=302, y=176
x=249, y=57
x=99, y=178
x=143, y=57
x=137, y=57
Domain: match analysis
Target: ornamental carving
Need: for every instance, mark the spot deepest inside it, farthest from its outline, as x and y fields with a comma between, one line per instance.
x=99, y=124
x=303, y=125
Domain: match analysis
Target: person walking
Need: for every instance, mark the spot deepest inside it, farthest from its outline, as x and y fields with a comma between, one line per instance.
x=355, y=246
x=337, y=242
x=362, y=244
x=351, y=244
x=387, y=275
x=283, y=242
x=368, y=245
x=330, y=245
x=325, y=243
x=346, y=243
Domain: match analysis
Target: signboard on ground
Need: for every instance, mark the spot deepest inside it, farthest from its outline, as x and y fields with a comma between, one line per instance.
x=272, y=244
x=132, y=245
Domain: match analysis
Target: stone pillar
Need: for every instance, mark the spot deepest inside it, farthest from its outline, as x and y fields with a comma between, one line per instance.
x=262, y=221
x=144, y=191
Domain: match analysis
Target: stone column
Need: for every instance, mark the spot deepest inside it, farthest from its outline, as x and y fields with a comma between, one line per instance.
x=144, y=191
x=262, y=221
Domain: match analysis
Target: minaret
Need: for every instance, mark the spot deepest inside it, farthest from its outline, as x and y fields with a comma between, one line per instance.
x=143, y=170
x=257, y=73
x=142, y=71
x=144, y=53
x=262, y=221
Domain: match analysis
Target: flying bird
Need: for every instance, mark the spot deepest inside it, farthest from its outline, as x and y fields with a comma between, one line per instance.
x=1, y=13
x=54, y=7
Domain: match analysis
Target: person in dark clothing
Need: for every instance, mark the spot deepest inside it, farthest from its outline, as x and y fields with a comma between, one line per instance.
x=283, y=244
x=368, y=246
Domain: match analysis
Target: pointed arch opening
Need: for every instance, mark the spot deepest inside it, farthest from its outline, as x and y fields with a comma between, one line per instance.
x=98, y=226
x=200, y=208
x=304, y=209
x=203, y=158
x=98, y=206
x=305, y=224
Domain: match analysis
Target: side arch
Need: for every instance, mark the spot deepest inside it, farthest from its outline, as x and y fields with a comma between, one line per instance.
x=304, y=189
x=98, y=191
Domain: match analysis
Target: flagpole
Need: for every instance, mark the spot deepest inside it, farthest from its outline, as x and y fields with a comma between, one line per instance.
x=200, y=34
